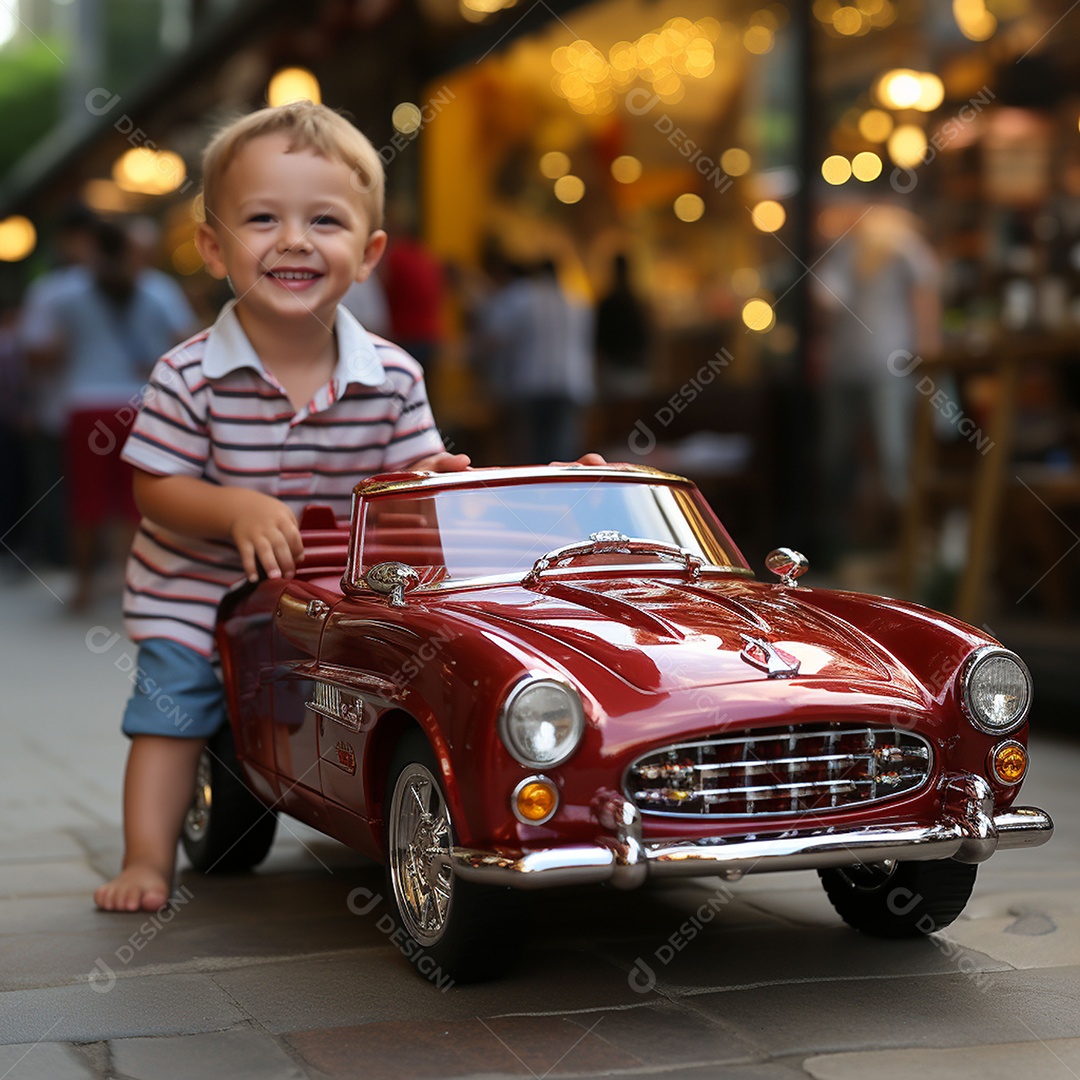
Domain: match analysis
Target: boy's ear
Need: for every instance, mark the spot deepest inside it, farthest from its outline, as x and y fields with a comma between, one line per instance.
x=206, y=241
x=373, y=252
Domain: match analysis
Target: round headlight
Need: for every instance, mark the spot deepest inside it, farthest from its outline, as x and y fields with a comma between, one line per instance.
x=996, y=690
x=542, y=722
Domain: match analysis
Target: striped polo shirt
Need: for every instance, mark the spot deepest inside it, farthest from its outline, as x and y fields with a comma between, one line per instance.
x=213, y=412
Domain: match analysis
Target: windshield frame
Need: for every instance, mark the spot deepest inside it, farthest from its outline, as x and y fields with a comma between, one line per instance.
x=394, y=486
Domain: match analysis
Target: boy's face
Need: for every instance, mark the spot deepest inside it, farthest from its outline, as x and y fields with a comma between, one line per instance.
x=291, y=232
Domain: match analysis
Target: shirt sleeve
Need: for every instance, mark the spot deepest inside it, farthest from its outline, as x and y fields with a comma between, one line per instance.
x=415, y=434
x=170, y=436
x=40, y=325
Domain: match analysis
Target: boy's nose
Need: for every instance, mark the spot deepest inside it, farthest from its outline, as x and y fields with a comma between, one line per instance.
x=294, y=238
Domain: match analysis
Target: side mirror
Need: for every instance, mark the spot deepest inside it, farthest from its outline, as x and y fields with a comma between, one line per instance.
x=392, y=579
x=787, y=564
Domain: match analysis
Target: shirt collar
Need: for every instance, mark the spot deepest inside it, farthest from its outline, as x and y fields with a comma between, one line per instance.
x=228, y=349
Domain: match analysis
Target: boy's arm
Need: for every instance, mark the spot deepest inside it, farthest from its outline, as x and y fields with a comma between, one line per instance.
x=263, y=528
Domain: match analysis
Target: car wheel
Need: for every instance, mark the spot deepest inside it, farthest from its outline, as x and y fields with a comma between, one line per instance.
x=900, y=899
x=469, y=932
x=226, y=828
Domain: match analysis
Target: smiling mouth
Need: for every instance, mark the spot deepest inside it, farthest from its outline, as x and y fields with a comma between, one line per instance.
x=293, y=275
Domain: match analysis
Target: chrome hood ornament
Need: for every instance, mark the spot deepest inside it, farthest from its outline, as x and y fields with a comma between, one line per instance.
x=788, y=565
x=776, y=663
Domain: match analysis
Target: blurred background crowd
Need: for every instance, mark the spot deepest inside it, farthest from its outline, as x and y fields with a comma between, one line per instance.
x=821, y=256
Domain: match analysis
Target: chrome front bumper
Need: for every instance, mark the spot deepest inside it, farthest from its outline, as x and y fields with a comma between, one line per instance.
x=969, y=832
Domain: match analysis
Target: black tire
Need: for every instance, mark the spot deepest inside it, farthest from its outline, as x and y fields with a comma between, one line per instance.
x=900, y=899
x=226, y=828
x=470, y=932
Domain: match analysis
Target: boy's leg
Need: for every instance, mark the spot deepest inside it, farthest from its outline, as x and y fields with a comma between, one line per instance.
x=158, y=784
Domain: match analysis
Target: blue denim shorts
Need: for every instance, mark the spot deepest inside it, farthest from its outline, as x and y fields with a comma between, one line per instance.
x=178, y=693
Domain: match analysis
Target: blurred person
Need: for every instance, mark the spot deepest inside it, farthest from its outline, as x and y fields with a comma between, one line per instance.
x=414, y=285
x=36, y=333
x=622, y=336
x=108, y=326
x=144, y=236
x=538, y=345
x=880, y=288
x=13, y=426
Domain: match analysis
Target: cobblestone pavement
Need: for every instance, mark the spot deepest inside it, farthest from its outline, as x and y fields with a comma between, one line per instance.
x=271, y=976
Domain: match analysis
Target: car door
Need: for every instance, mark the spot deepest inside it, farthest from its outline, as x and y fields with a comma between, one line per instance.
x=298, y=625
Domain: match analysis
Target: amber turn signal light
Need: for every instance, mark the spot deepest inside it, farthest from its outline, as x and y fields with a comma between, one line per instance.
x=535, y=800
x=1009, y=761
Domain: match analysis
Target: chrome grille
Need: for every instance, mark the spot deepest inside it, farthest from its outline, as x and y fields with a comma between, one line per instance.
x=792, y=770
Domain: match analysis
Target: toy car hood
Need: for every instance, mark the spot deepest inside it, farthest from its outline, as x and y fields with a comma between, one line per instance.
x=660, y=635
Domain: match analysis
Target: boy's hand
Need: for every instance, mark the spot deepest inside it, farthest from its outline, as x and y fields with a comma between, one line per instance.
x=585, y=459
x=265, y=532
x=442, y=462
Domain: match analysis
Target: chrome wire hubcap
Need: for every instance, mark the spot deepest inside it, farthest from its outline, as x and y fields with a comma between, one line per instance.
x=420, y=854
x=198, y=815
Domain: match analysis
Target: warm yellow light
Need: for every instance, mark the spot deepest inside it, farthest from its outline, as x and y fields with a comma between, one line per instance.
x=406, y=118
x=708, y=27
x=758, y=315
x=932, y=92
x=667, y=84
x=18, y=238
x=623, y=56
x=825, y=9
x=626, y=169
x=1010, y=762
x=907, y=146
x=847, y=21
x=875, y=125
x=186, y=259
x=469, y=15
x=689, y=207
x=768, y=216
x=149, y=172
x=900, y=89
x=536, y=800
x=866, y=166
x=293, y=84
x=758, y=40
x=974, y=21
x=745, y=281
x=105, y=196
x=569, y=189
x=554, y=164
x=560, y=60
x=836, y=169
x=885, y=15
x=735, y=162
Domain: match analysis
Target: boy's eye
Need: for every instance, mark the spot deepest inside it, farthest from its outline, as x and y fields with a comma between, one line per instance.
x=261, y=218
x=325, y=219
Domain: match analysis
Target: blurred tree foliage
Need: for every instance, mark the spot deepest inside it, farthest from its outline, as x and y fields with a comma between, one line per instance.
x=31, y=75
x=132, y=42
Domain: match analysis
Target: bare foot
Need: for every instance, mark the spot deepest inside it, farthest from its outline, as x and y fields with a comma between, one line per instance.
x=138, y=887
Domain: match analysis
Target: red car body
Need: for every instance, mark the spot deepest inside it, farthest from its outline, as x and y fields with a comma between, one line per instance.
x=729, y=724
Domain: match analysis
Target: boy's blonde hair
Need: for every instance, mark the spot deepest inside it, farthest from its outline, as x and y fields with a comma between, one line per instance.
x=308, y=127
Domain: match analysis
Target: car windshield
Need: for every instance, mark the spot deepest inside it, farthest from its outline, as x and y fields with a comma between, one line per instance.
x=503, y=529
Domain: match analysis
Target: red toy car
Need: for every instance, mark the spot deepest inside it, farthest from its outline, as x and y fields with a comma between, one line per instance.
x=513, y=679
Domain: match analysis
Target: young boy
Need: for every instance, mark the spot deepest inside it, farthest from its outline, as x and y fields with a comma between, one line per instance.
x=285, y=400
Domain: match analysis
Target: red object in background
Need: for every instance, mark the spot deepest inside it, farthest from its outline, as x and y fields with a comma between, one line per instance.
x=549, y=676
x=413, y=280
x=98, y=482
